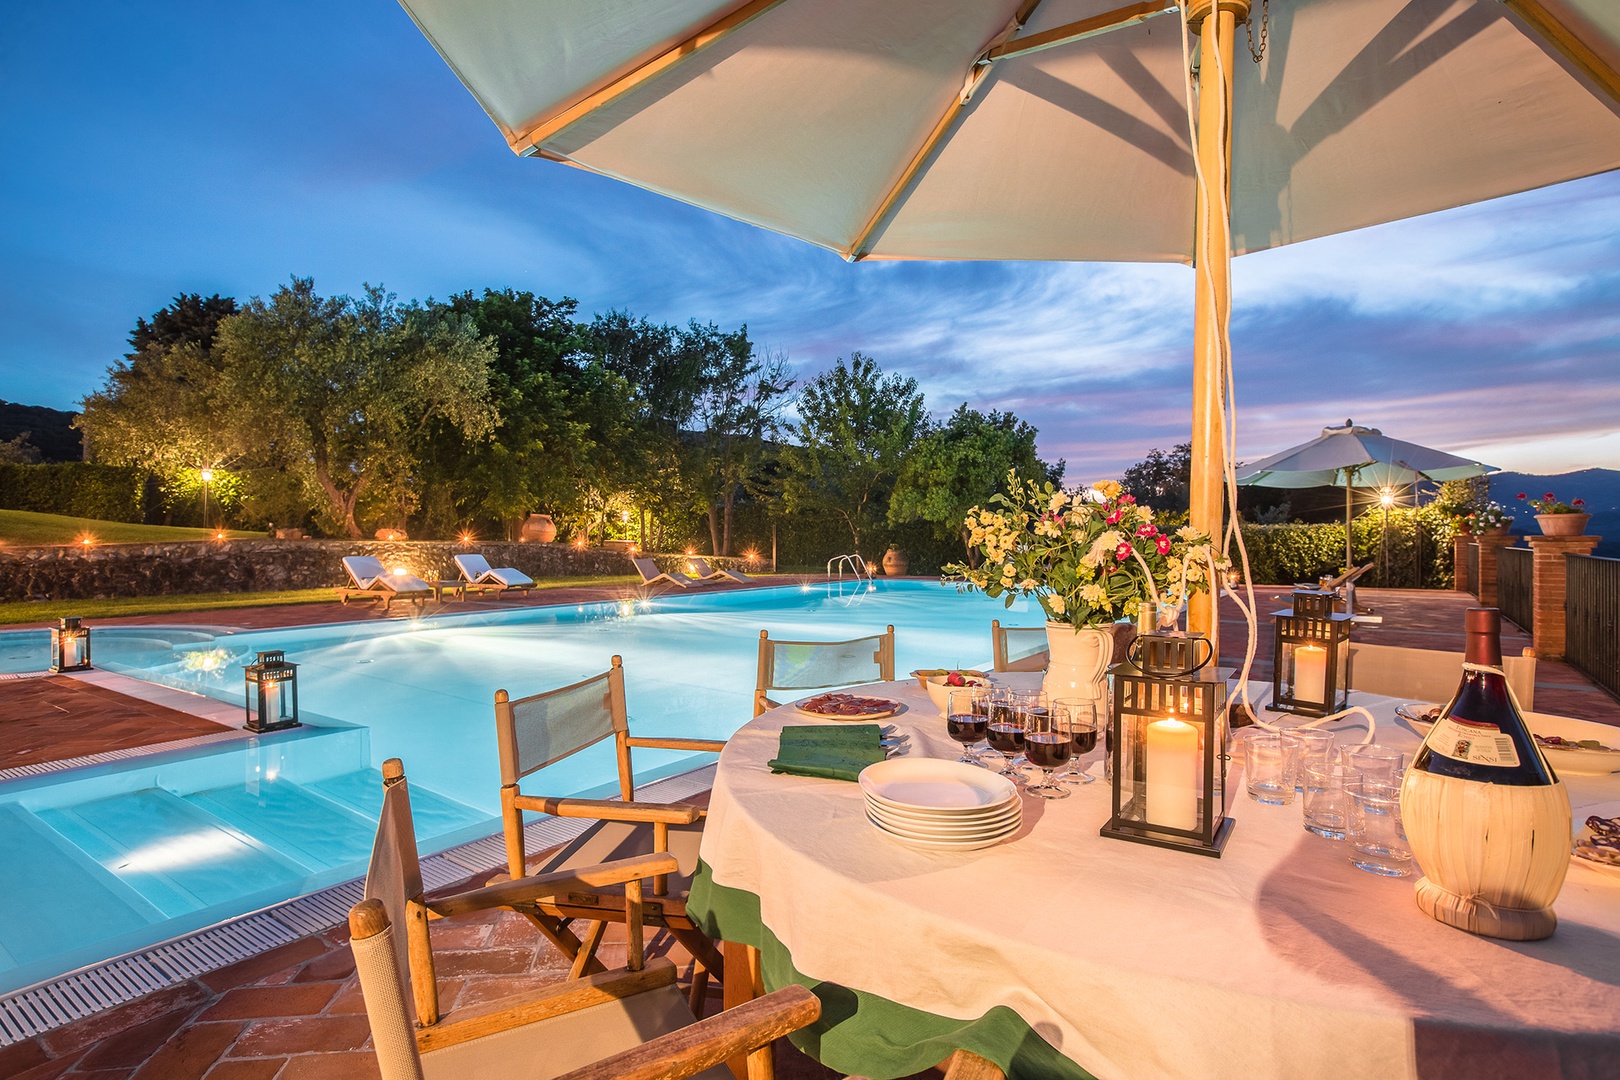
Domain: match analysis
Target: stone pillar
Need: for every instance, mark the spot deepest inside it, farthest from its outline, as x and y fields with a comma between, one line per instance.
x=1549, y=572
x=1459, y=561
x=1489, y=544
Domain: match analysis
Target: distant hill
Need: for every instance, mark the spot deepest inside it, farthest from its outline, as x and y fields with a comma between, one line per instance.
x=1599, y=487
x=51, y=430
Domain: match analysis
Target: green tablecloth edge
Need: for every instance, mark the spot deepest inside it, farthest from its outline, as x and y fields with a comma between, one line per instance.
x=866, y=1034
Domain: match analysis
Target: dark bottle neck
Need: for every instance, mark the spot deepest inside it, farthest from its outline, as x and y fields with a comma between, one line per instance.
x=1484, y=635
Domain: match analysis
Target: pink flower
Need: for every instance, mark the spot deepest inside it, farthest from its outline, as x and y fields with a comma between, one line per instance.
x=1113, y=519
x=1578, y=502
x=1521, y=495
x=1122, y=552
x=1549, y=496
x=1146, y=530
x=1163, y=544
x=1127, y=499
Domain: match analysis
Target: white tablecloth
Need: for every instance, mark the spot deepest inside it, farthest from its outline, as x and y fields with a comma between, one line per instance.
x=1277, y=960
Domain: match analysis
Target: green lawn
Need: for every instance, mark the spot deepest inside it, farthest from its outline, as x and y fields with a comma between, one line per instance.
x=34, y=611
x=23, y=527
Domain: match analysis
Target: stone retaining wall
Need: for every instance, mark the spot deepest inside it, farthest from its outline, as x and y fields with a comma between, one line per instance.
x=109, y=570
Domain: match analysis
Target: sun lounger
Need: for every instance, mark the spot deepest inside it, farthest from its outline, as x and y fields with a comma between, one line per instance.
x=374, y=581
x=478, y=574
x=706, y=573
x=651, y=576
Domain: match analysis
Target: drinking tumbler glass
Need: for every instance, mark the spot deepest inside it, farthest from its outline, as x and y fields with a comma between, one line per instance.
x=1375, y=833
x=1271, y=764
x=1326, y=802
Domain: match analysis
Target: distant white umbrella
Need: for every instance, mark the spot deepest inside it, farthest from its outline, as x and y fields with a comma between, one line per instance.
x=1352, y=457
x=1056, y=129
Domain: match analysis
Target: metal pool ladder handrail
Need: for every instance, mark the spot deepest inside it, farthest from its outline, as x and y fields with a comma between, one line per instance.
x=863, y=576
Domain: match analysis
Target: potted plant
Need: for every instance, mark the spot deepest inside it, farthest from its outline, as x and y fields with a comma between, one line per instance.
x=1089, y=558
x=1492, y=520
x=1558, y=518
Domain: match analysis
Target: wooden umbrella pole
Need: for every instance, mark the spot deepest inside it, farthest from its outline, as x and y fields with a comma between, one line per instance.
x=1212, y=262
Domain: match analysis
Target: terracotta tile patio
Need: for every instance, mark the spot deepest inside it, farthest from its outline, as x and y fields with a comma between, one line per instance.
x=58, y=716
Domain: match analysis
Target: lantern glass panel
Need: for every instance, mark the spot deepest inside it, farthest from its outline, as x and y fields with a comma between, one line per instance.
x=70, y=645
x=272, y=693
x=1311, y=660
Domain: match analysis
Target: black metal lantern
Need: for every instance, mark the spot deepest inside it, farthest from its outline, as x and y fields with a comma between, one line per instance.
x=272, y=692
x=1169, y=751
x=70, y=645
x=1310, y=663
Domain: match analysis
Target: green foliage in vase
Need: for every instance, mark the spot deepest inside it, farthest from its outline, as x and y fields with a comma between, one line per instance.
x=1089, y=556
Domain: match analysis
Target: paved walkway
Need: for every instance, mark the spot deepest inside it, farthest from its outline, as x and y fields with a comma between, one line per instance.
x=56, y=716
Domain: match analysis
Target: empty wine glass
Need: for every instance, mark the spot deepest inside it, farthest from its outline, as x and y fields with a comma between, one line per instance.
x=1077, y=717
x=1046, y=746
x=966, y=717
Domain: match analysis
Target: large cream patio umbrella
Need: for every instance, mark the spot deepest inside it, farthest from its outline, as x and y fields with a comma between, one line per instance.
x=1056, y=129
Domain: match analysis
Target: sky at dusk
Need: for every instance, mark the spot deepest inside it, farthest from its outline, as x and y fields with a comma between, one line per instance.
x=155, y=148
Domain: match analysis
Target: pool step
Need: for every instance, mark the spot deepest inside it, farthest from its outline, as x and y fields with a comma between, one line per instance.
x=177, y=855
x=361, y=791
x=45, y=874
x=294, y=820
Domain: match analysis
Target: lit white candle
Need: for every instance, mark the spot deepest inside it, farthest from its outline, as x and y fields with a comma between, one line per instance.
x=1310, y=673
x=1173, y=765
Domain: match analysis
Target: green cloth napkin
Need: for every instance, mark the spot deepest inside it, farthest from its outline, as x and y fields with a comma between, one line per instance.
x=830, y=751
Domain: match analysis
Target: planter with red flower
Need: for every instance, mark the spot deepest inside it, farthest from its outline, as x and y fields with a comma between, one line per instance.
x=1558, y=518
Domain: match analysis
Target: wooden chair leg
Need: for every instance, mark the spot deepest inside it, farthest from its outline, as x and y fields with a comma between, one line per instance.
x=702, y=949
x=744, y=983
x=587, y=951
x=966, y=1065
x=698, y=996
x=559, y=935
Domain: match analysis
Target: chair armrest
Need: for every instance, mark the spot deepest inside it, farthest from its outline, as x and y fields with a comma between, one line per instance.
x=966, y=1065
x=709, y=1042
x=711, y=746
x=504, y=1014
x=608, y=810
x=541, y=886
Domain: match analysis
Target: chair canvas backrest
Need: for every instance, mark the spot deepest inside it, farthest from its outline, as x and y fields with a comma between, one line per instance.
x=700, y=566
x=646, y=567
x=385, y=985
x=813, y=665
x=472, y=566
x=1018, y=648
x=364, y=569
x=536, y=731
x=1429, y=674
x=394, y=875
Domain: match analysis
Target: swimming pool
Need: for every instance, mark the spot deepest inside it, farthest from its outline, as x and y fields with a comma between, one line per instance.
x=172, y=842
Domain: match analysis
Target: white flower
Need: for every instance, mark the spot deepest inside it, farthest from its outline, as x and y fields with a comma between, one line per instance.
x=1093, y=594
x=1059, y=500
x=1027, y=584
x=1056, y=603
x=1187, y=533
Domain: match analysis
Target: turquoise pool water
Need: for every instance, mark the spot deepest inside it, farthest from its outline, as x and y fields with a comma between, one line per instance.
x=173, y=842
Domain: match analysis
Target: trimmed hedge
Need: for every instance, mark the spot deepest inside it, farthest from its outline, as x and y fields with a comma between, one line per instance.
x=1419, y=549
x=75, y=489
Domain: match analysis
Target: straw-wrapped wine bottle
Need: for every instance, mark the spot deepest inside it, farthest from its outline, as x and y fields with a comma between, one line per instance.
x=1488, y=819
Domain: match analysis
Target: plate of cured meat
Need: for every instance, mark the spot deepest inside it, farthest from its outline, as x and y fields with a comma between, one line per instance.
x=841, y=706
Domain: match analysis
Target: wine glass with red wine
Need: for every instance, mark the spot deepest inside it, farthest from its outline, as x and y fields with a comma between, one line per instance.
x=1005, y=730
x=1047, y=746
x=966, y=719
x=1077, y=717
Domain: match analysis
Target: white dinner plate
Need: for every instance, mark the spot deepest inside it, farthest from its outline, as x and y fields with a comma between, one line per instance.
x=1607, y=810
x=934, y=784
x=864, y=718
x=945, y=830
x=942, y=845
x=983, y=816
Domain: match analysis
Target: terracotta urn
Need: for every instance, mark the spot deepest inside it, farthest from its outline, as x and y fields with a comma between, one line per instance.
x=895, y=563
x=1562, y=524
x=539, y=528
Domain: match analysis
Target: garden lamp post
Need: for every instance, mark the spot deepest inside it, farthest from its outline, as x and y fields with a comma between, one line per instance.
x=207, y=477
x=1386, y=499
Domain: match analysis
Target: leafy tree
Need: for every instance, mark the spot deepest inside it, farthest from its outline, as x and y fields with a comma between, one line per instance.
x=342, y=391
x=1163, y=480
x=19, y=451
x=855, y=427
x=157, y=408
x=961, y=465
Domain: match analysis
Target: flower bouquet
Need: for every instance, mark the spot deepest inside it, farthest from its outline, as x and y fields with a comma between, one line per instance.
x=1494, y=518
x=1089, y=557
x=1558, y=518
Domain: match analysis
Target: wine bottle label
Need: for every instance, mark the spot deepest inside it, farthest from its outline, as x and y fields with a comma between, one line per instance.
x=1473, y=742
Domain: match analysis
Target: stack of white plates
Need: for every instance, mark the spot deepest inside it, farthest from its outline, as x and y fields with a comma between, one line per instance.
x=940, y=804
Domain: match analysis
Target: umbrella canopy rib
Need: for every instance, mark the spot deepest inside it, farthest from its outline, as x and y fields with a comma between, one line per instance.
x=1570, y=45
x=527, y=142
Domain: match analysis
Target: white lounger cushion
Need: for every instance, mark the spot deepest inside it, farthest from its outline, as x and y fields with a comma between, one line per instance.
x=475, y=568
x=367, y=572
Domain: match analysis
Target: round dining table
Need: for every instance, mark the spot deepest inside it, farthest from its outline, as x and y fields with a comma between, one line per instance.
x=1063, y=953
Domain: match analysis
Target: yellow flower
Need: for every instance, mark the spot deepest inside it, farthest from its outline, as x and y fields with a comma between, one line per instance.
x=1059, y=500
x=1188, y=533
x=1108, y=489
x=1093, y=594
x=1027, y=584
x=1056, y=603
